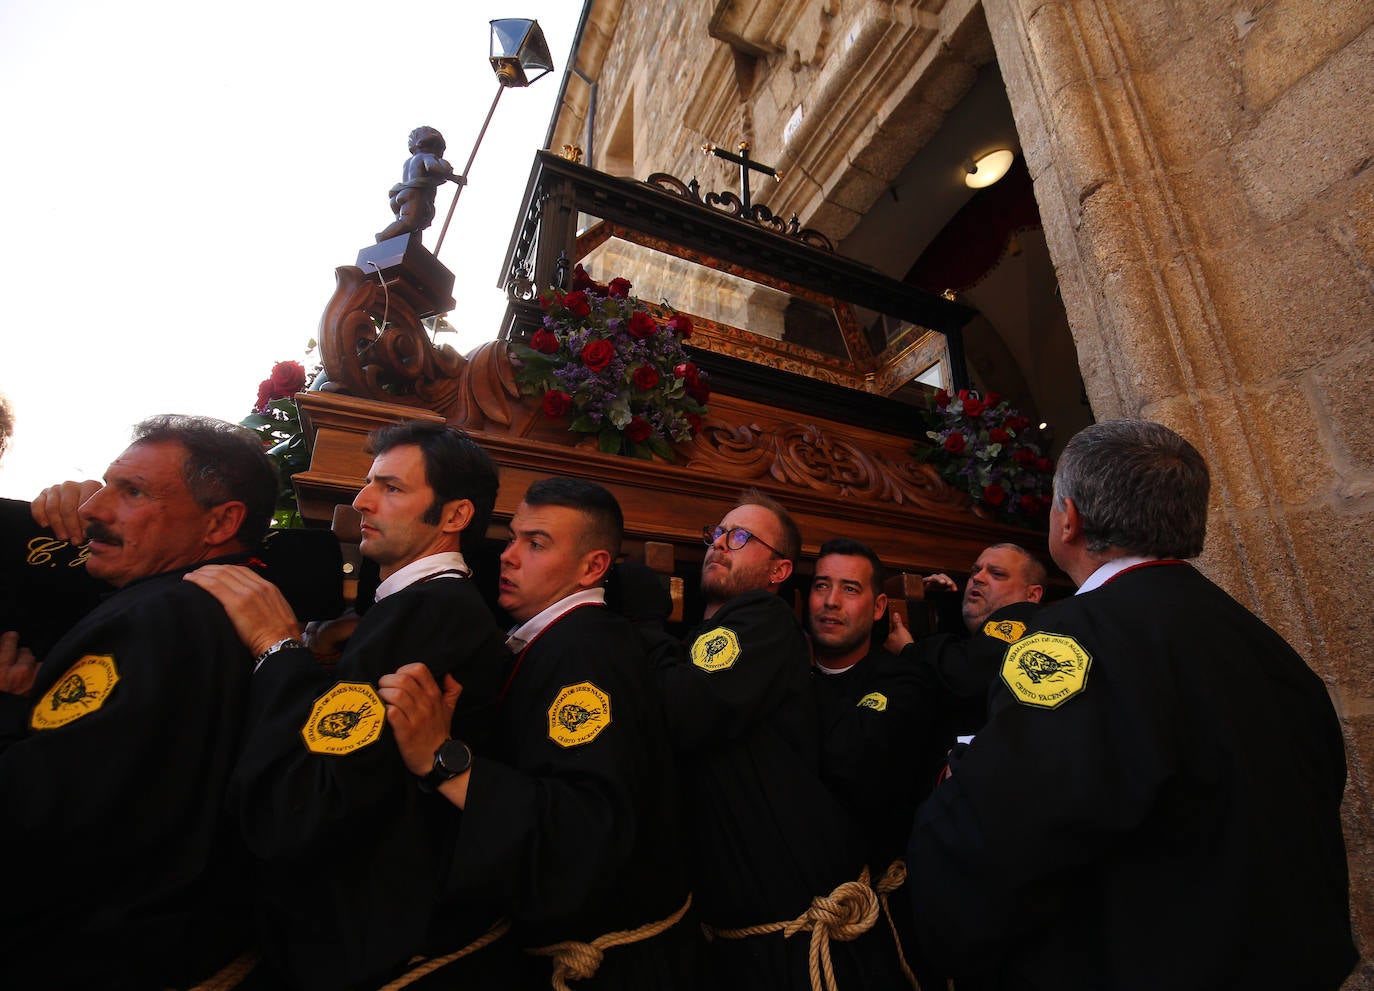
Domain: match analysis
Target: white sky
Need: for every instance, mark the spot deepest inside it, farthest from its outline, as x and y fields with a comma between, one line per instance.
x=178, y=182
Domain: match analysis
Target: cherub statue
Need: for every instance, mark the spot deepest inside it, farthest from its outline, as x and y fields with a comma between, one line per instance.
x=412, y=199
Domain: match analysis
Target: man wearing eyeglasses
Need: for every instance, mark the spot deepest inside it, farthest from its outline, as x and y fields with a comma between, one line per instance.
x=768, y=838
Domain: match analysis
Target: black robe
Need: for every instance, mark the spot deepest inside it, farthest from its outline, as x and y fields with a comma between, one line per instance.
x=570, y=826
x=767, y=834
x=1153, y=803
x=122, y=869
x=351, y=849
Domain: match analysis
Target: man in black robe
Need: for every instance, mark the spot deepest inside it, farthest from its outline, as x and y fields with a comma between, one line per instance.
x=768, y=837
x=568, y=821
x=1003, y=592
x=1155, y=799
x=351, y=851
x=123, y=870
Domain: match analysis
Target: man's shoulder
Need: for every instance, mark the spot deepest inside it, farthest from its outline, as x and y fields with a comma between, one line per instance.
x=757, y=605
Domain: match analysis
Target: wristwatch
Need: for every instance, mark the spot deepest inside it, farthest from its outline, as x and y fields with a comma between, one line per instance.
x=451, y=759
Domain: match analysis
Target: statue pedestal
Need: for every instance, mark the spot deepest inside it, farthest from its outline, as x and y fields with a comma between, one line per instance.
x=410, y=270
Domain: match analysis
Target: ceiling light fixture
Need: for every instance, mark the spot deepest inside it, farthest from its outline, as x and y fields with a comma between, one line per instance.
x=988, y=168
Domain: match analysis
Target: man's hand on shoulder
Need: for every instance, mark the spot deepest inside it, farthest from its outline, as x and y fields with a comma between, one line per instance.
x=18, y=667
x=259, y=612
x=56, y=508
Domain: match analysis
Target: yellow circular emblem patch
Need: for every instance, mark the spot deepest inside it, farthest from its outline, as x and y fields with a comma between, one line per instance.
x=79, y=692
x=579, y=714
x=1046, y=669
x=716, y=650
x=346, y=718
x=1010, y=630
x=874, y=700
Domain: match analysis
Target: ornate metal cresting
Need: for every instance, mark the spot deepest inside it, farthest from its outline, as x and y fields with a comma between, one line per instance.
x=731, y=205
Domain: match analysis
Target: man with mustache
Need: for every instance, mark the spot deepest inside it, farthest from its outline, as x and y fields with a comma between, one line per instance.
x=124, y=871
x=768, y=839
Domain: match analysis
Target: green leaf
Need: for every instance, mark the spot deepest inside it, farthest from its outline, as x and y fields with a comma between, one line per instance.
x=609, y=441
x=661, y=447
x=584, y=424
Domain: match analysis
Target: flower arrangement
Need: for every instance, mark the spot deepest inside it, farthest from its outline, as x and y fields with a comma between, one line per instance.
x=602, y=359
x=277, y=422
x=985, y=448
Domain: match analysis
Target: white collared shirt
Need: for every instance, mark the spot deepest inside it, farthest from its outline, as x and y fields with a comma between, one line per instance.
x=1110, y=570
x=429, y=566
x=531, y=628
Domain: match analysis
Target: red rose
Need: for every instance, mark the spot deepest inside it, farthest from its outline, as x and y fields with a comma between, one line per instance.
x=544, y=342
x=999, y=436
x=685, y=371
x=942, y=399
x=994, y=494
x=646, y=377
x=1023, y=456
x=1044, y=464
x=1018, y=423
x=556, y=404
x=1030, y=505
x=597, y=355
x=642, y=325
x=681, y=325
x=264, y=394
x=694, y=422
x=993, y=399
x=638, y=430
x=963, y=395
x=577, y=303
x=954, y=443
x=698, y=388
x=619, y=288
x=973, y=407
x=288, y=378
x=550, y=298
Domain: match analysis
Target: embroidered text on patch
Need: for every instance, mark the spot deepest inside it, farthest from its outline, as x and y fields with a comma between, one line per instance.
x=716, y=650
x=578, y=714
x=346, y=718
x=874, y=700
x=1010, y=630
x=81, y=691
x=1046, y=669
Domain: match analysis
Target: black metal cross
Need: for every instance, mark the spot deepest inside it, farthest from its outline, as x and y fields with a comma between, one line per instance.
x=746, y=165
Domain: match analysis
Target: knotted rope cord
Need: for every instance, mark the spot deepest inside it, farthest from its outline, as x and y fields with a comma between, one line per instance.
x=229, y=976
x=577, y=961
x=893, y=878
x=845, y=914
x=499, y=928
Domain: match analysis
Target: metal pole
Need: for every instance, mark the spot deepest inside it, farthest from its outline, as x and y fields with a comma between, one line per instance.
x=462, y=180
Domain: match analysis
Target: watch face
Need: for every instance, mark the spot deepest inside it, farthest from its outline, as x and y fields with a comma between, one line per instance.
x=453, y=756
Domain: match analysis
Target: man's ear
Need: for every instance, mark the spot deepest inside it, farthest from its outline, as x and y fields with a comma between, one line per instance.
x=595, y=564
x=456, y=515
x=780, y=571
x=1034, y=593
x=223, y=522
x=1070, y=523
x=879, y=607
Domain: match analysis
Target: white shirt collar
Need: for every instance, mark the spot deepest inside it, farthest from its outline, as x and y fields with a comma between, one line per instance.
x=530, y=629
x=429, y=566
x=1110, y=570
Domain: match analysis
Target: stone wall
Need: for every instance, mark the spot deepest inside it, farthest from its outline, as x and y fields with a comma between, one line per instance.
x=1203, y=174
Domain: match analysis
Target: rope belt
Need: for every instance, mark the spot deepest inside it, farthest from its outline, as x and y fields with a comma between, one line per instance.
x=577, y=961
x=893, y=878
x=423, y=967
x=845, y=914
x=228, y=976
